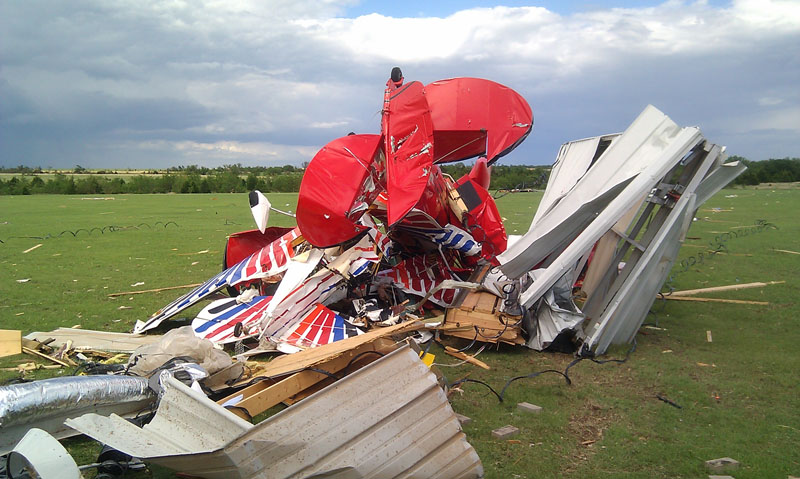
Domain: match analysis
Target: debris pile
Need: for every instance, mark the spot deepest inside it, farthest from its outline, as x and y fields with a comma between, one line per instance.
x=387, y=245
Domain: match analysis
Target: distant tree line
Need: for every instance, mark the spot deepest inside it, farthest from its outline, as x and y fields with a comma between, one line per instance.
x=784, y=170
x=170, y=182
x=239, y=179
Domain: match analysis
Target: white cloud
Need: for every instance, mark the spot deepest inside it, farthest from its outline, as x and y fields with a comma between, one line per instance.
x=243, y=79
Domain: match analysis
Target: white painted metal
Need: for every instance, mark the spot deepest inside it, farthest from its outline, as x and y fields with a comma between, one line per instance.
x=573, y=160
x=389, y=419
x=630, y=303
x=38, y=454
x=555, y=313
x=658, y=151
x=717, y=179
x=628, y=308
x=633, y=162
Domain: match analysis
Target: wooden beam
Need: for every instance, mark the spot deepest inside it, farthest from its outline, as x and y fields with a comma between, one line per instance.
x=292, y=363
x=126, y=293
x=45, y=356
x=730, y=287
x=271, y=395
x=262, y=395
x=715, y=300
x=463, y=356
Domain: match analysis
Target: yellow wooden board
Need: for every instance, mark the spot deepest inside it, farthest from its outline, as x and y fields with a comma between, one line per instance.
x=10, y=342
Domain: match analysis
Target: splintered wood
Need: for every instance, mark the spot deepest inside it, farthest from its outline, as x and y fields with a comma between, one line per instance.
x=287, y=379
x=481, y=312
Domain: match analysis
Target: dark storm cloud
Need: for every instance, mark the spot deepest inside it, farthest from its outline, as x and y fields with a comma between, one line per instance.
x=118, y=84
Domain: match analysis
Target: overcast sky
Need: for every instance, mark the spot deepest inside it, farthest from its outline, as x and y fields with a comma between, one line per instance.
x=150, y=84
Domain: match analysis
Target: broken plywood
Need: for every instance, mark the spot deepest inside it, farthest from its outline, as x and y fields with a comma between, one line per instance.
x=481, y=312
x=268, y=392
x=10, y=342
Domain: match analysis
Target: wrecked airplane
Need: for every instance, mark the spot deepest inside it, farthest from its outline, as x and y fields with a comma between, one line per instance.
x=384, y=242
x=379, y=226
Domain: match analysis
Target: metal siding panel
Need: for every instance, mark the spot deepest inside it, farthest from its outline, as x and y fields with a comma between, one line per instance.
x=401, y=414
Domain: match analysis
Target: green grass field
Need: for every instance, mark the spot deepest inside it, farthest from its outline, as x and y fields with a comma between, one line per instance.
x=739, y=394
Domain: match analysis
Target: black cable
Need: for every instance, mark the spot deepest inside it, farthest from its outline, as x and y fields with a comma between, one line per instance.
x=671, y=403
x=533, y=375
x=471, y=343
x=89, y=231
x=356, y=357
x=565, y=373
x=467, y=380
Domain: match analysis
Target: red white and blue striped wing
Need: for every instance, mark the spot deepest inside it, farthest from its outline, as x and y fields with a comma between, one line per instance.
x=268, y=261
x=219, y=319
x=320, y=326
x=325, y=286
x=420, y=274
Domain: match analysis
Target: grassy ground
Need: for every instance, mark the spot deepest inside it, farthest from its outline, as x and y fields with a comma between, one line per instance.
x=738, y=394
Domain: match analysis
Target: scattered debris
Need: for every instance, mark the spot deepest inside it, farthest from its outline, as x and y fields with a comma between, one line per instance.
x=463, y=420
x=157, y=290
x=785, y=251
x=671, y=403
x=10, y=342
x=45, y=356
x=383, y=437
x=25, y=280
x=505, y=432
x=83, y=339
x=386, y=246
x=730, y=287
x=177, y=343
x=465, y=357
x=708, y=337
x=32, y=248
x=723, y=464
x=715, y=300
x=529, y=408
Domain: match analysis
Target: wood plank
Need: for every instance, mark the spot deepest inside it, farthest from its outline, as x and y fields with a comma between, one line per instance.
x=291, y=363
x=465, y=357
x=157, y=290
x=45, y=356
x=10, y=342
x=715, y=300
x=730, y=287
x=274, y=394
x=263, y=395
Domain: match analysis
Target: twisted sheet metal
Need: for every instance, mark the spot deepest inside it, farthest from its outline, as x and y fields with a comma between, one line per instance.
x=389, y=419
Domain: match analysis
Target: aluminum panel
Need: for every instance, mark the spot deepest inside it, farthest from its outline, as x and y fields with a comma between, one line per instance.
x=388, y=419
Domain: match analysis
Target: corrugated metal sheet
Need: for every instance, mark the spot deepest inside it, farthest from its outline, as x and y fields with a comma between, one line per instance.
x=573, y=160
x=634, y=291
x=390, y=419
x=638, y=168
x=635, y=161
